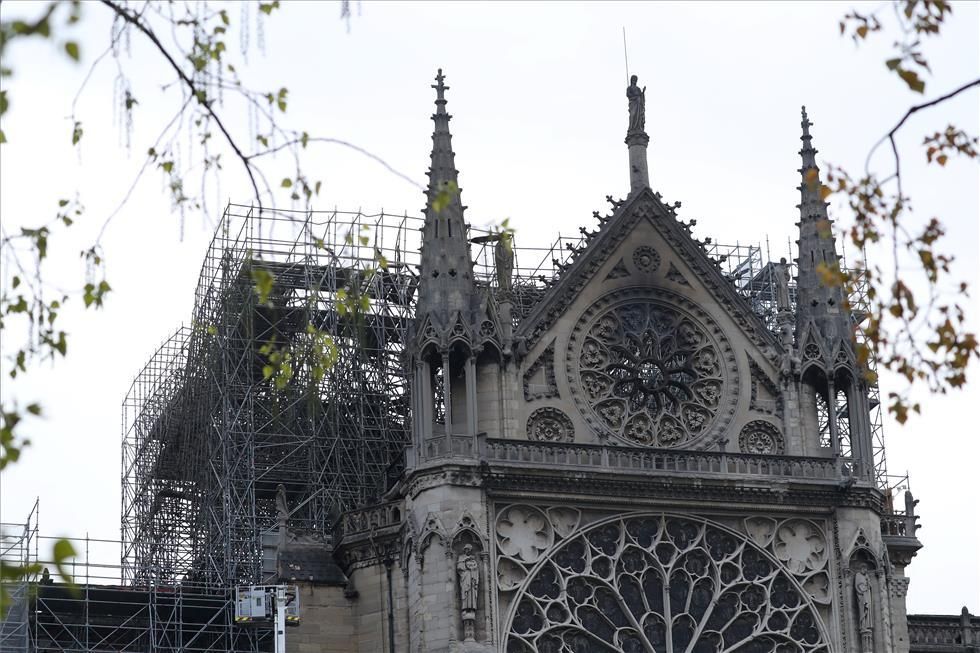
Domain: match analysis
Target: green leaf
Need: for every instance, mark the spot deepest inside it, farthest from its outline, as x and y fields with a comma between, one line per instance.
x=76, y=133
x=263, y=280
x=893, y=63
x=445, y=196
x=287, y=182
x=71, y=48
x=267, y=7
x=62, y=552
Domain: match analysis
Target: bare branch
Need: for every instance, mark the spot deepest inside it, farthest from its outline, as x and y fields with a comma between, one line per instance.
x=197, y=93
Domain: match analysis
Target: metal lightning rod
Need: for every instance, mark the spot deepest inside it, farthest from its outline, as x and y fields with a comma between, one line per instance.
x=626, y=56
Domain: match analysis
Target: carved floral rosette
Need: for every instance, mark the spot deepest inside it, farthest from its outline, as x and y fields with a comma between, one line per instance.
x=550, y=425
x=651, y=368
x=657, y=581
x=761, y=438
x=646, y=259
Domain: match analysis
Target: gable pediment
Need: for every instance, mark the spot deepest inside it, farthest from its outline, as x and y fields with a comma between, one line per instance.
x=643, y=243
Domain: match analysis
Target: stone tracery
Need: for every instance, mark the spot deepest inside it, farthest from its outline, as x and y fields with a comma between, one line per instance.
x=661, y=583
x=649, y=373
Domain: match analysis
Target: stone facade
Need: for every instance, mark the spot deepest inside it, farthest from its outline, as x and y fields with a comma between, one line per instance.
x=639, y=464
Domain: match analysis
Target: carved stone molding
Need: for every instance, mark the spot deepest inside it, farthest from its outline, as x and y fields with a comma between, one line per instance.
x=550, y=425
x=619, y=271
x=765, y=395
x=539, y=378
x=898, y=586
x=439, y=476
x=761, y=437
x=674, y=275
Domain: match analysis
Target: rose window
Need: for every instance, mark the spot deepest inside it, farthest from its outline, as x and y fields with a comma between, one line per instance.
x=650, y=374
x=661, y=584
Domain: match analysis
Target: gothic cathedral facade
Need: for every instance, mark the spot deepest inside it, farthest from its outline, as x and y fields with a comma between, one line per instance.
x=641, y=463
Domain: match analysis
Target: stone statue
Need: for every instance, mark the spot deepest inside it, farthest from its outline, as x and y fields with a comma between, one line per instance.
x=637, y=102
x=910, y=526
x=782, y=285
x=503, y=258
x=862, y=592
x=282, y=508
x=468, y=571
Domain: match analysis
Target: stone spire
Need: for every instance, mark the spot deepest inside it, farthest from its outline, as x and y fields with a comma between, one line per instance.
x=818, y=305
x=636, y=138
x=446, y=287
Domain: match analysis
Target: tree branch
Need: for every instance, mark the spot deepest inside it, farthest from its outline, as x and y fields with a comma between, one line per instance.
x=195, y=92
x=337, y=141
x=890, y=136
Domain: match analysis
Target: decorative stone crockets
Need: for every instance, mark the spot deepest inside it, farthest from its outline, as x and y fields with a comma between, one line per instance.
x=450, y=308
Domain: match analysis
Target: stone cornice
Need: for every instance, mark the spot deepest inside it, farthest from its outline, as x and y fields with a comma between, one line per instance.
x=600, y=488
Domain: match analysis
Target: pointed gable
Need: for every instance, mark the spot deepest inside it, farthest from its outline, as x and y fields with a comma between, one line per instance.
x=684, y=261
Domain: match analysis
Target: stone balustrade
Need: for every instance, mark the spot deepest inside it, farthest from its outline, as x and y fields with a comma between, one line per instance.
x=899, y=524
x=636, y=459
x=941, y=633
x=372, y=518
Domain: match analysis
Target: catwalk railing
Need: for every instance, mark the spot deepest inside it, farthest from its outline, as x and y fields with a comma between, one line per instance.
x=98, y=611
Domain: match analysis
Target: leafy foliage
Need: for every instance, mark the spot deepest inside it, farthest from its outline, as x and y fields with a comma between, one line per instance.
x=916, y=325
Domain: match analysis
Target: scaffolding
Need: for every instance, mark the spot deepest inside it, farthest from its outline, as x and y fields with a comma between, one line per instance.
x=92, y=609
x=754, y=277
x=209, y=439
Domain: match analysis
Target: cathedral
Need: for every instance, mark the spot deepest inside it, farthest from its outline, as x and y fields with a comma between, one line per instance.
x=637, y=446
x=639, y=463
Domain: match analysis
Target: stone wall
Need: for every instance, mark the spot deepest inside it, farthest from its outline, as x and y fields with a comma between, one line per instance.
x=327, y=621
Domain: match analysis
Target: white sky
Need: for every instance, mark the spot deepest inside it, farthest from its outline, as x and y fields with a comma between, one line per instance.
x=537, y=91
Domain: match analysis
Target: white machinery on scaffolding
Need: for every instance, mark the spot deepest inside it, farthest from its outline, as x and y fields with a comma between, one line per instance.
x=261, y=605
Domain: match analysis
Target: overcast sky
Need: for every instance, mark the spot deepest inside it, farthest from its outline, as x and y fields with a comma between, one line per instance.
x=538, y=97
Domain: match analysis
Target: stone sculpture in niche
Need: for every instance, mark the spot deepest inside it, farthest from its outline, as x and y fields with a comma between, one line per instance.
x=550, y=425
x=862, y=594
x=468, y=572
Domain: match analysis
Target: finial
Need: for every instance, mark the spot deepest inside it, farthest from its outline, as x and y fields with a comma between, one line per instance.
x=806, y=123
x=440, y=87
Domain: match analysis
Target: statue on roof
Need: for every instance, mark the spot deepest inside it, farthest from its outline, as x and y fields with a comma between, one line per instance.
x=637, y=104
x=781, y=270
x=503, y=256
